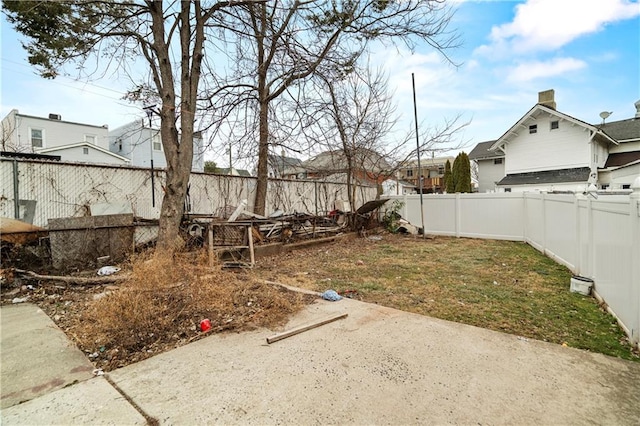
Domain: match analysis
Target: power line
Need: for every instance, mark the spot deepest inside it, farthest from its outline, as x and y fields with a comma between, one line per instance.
x=58, y=82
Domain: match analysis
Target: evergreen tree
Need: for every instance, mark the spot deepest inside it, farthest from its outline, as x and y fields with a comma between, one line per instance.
x=462, y=173
x=448, y=178
x=211, y=167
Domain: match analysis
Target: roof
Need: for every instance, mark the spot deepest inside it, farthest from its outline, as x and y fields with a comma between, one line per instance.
x=225, y=171
x=29, y=155
x=623, y=130
x=335, y=161
x=622, y=159
x=545, y=109
x=87, y=145
x=481, y=151
x=280, y=161
x=580, y=174
x=55, y=120
x=427, y=162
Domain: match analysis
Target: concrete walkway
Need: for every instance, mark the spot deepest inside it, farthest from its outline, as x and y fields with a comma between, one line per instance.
x=377, y=366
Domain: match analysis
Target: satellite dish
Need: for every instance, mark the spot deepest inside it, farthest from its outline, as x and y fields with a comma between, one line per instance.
x=604, y=115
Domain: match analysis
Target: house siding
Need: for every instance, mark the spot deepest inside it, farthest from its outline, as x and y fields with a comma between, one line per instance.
x=562, y=148
x=136, y=146
x=55, y=132
x=489, y=174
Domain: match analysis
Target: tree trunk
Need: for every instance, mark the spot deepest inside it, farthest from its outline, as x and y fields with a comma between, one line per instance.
x=263, y=153
x=259, y=206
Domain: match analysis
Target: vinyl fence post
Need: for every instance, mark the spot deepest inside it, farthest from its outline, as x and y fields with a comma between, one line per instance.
x=457, y=214
x=634, y=228
x=578, y=241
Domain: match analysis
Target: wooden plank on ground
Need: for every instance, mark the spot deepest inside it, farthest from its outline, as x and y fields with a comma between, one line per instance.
x=303, y=328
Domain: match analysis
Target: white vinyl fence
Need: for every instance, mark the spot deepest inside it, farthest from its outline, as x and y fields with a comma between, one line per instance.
x=596, y=238
x=36, y=191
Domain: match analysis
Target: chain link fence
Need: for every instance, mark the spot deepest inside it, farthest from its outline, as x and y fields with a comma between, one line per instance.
x=35, y=191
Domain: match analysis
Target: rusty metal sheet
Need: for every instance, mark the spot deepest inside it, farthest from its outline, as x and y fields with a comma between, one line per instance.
x=18, y=232
x=370, y=206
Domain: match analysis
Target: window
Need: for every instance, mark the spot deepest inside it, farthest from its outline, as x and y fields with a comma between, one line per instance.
x=440, y=170
x=497, y=161
x=605, y=186
x=157, y=145
x=507, y=190
x=626, y=186
x=409, y=173
x=533, y=128
x=555, y=125
x=85, y=150
x=37, y=138
x=90, y=139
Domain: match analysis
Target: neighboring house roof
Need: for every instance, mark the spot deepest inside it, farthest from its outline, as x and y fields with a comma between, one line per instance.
x=622, y=159
x=280, y=162
x=335, y=161
x=481, y=151
x=83, y=145
x=58, y=119
x=539, y=108
x=580, y=174
x=342, y=178
x=29, y=155
x=240, y=172
x=428, y=162
x=623, y=130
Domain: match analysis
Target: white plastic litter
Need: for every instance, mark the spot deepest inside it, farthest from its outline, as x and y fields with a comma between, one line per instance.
x=108, y=270
x=331, y=295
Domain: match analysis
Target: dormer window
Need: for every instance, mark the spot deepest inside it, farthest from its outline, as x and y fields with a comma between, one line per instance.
x=555, y=125
x=533, y=128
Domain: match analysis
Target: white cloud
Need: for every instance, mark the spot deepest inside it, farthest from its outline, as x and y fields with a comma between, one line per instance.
x=538, y=69
x=543, y=25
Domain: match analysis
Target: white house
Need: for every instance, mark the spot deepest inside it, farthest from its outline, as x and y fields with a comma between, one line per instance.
x=394, y=186
x=490, y=166
x=141, y=143
x=73, y=142
x=547, y=150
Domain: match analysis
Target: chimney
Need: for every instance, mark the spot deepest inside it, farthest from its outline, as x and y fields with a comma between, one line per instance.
x=637, y=104
x=546, y=98
x=55, y=117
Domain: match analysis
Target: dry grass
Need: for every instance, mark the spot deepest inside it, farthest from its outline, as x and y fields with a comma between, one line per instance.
x=499, y=285
x=161, y=306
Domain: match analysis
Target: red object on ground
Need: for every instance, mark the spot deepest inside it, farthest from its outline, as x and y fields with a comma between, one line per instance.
x=205, y=325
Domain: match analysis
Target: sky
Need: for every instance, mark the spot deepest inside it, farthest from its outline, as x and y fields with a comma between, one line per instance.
x=587, y=51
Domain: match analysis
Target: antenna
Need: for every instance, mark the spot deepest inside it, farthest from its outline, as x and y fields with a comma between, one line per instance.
x=604, y=115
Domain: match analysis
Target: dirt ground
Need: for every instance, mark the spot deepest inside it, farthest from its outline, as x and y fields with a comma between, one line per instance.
x=162, y=303
x=160, y=306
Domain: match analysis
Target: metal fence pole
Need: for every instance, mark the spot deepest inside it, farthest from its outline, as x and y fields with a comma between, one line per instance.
x=16, y=191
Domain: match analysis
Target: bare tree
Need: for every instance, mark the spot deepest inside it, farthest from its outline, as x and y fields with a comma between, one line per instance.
x=352, y=117
x=281, y=44
x=167, y=37
x=354, y=120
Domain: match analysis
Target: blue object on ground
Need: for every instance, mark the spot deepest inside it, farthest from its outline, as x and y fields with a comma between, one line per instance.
x=331, y=295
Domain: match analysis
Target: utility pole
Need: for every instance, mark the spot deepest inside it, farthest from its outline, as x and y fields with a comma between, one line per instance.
x=149, y=110
x=420, y=178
